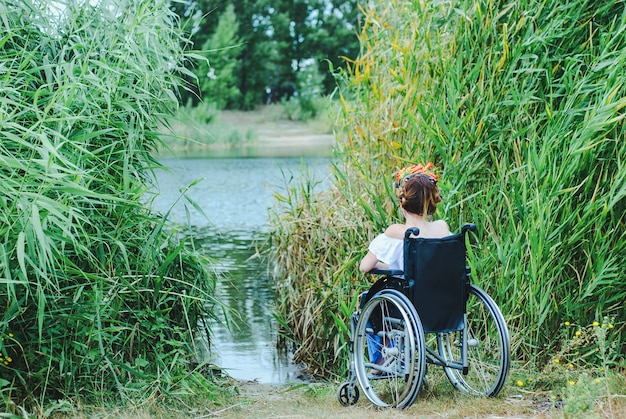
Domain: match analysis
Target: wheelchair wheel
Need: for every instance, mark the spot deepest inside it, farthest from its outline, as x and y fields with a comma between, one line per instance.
x=348, y=394
x=488, y=347
x=389, y=355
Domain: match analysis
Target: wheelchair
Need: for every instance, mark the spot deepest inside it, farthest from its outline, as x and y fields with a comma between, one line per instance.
x=467, y=334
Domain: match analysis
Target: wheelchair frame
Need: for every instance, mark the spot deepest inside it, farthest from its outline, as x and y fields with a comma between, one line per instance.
x=389, y=353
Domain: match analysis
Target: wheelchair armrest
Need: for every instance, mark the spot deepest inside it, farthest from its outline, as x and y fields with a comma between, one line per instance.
x=389, y=272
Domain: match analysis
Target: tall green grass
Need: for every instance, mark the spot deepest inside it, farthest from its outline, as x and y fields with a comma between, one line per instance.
x=520, y=105
x=100, y=299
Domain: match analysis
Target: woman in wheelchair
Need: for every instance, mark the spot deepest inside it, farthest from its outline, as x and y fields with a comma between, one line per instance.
x=418, y=193
x=423, y=288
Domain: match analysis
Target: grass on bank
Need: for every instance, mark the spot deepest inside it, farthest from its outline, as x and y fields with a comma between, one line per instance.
x=565, y=388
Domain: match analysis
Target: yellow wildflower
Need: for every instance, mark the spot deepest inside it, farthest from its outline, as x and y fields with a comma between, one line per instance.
x=520, y=383
x=596, y=324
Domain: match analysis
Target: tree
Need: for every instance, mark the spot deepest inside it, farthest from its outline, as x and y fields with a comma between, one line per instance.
x=217, y=78
x=258, y=55
x=305, y=31
x=334, y=37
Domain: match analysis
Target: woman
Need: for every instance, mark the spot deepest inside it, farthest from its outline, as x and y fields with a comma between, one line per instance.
x=418, y=194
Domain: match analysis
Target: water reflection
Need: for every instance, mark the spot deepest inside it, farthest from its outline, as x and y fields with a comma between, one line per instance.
x=249, y=349
x=235, y=195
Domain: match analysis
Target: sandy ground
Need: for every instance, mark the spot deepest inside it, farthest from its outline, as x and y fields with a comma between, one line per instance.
x=262, y=133
x=271, y=129
x=273, y=132
x=320, y=401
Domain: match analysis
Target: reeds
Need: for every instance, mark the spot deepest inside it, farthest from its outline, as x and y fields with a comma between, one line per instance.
x=101, y=300
x=520, y=105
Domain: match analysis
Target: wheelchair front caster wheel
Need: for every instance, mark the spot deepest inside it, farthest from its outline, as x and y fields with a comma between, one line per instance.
x=348, y=394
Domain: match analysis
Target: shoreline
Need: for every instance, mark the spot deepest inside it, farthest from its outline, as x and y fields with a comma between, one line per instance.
x=248, y=134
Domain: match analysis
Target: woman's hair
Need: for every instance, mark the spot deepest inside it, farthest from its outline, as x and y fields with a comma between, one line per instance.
x=419, y=194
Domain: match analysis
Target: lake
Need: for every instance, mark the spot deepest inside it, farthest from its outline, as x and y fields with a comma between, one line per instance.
x=235, y=195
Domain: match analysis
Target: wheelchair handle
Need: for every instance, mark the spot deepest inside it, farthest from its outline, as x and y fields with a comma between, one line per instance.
x=468, y=227
x=413, y=231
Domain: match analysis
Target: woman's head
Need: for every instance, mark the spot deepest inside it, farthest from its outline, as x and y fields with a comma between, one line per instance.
x=418, y=192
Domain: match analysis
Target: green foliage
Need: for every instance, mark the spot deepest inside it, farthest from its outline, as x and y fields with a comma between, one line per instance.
x=317, y=31
x=308, y=103
x=100, y=298
x=310, y=90
x=217, y=78
x=276, y=40
x=583, y=373
x=520, y=105
x=316, y=291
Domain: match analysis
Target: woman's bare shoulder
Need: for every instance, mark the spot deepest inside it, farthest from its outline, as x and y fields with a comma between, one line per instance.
x=442, y=228
x=396, y=231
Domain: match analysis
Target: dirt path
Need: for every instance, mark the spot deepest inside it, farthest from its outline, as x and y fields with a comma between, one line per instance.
x=319, y=401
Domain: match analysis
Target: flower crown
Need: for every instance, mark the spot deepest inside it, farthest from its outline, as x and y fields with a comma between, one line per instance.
x=408, y=171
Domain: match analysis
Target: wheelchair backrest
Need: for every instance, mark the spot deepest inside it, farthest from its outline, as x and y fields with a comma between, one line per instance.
x=438, y=280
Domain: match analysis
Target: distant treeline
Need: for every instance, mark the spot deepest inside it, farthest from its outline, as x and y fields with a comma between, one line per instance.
x=262, y=51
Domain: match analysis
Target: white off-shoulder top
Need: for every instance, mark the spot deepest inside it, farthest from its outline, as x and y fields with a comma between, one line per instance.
x=388, y=250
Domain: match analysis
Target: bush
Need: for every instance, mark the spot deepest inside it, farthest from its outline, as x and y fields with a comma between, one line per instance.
x=100, y=298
